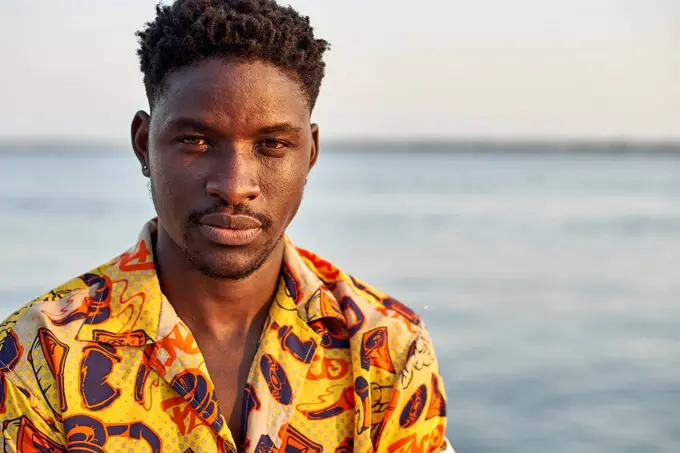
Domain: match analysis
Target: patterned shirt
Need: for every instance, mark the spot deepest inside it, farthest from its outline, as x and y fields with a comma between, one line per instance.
x=104, y=364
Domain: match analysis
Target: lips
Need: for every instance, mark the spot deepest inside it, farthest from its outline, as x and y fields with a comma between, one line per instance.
x=230, y=230
x=234, y=222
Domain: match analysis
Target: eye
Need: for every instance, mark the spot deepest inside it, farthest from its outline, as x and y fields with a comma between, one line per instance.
x=194, y=141
x=273, y=144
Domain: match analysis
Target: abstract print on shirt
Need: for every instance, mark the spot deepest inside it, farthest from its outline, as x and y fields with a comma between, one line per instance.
x=104, y=364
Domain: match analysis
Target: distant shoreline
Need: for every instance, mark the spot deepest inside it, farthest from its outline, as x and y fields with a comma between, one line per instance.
x=510, y=145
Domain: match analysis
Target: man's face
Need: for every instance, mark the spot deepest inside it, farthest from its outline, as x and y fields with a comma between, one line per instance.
x=229, y=149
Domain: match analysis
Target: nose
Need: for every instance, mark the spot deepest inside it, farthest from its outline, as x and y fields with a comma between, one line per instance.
x=234, y=177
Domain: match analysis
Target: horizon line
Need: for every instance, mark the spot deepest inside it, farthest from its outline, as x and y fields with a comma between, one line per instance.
x=480, y=143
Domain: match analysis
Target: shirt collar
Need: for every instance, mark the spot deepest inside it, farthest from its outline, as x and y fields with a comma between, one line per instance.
x=124, y=306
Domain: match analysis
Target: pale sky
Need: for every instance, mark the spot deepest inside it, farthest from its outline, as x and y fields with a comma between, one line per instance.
x=397, y=68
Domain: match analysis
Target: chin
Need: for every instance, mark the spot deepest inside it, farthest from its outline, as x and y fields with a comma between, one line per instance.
x=227, y=273
x=229, y=264
x=223, y=268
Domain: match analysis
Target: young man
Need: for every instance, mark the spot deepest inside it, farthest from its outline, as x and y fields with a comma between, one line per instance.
x=213, y=332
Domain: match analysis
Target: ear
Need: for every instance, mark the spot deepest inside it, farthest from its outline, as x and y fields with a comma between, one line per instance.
x=314, y=152
x=139, y=132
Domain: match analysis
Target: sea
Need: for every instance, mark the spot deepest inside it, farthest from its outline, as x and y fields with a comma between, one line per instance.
x=550, y=281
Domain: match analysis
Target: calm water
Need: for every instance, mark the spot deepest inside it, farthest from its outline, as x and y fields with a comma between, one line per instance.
x=551, y=284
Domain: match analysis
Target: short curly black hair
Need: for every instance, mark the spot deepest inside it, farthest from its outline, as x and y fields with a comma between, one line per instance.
x=189, y=31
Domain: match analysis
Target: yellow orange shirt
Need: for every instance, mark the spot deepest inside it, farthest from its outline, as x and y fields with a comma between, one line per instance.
x=104, y=364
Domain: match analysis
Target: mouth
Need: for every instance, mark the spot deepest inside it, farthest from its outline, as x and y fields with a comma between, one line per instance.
x=230, y=230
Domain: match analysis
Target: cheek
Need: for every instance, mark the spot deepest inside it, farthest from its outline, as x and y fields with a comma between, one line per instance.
x=283, y=187
x=163, y=182
x=171, y=183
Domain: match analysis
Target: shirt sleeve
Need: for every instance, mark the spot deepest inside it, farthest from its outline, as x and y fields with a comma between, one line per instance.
x=416, y=418
x=25, y=427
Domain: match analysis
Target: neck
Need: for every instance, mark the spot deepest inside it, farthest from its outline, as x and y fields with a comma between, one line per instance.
x=217, y=307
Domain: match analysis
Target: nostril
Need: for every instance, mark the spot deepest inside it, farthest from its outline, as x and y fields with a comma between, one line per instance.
x=234, y=191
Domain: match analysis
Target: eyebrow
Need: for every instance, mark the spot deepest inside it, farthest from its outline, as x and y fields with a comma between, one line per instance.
x=190, y=123
x=280, y=128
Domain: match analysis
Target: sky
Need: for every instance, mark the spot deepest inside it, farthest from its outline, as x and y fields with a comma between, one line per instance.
x=397, y=69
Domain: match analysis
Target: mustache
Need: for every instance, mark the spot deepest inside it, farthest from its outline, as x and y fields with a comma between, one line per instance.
x=221, y=208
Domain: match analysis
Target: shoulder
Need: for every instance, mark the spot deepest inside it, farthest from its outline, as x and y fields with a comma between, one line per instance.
x=34, y=344
x=382, y=326
x=394, y=365
x=50, y=318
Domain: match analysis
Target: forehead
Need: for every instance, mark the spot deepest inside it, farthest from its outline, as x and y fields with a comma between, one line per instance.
x=232, y=94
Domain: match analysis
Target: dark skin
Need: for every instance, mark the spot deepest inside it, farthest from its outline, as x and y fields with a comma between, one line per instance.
x=235, y=138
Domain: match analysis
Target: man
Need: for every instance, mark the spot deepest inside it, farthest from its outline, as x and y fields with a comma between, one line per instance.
x=213, y=332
